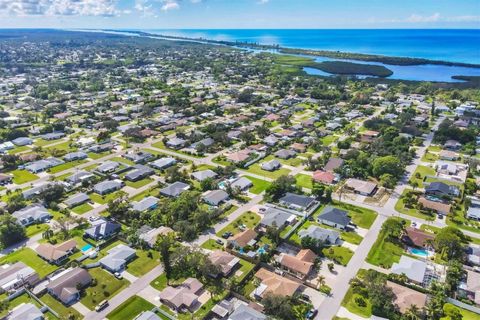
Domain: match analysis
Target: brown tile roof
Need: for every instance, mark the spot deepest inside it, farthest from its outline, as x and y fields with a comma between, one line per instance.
x=244, y=237
x=276, y=284
x=437, y=206
x=323, y=176
x=224, y=260
x=418, y=237
x=54, y=252
x=405, y=297
x=333, y=164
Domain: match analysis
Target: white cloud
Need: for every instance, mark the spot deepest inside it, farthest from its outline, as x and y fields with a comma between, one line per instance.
x=170, y=5
x=433, y=18
x=59, y=7
x=419, y=18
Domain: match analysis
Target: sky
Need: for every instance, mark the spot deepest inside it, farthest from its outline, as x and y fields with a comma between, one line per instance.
x=240, y=14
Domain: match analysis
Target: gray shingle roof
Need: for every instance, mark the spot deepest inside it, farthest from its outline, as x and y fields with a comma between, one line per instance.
x=174, y=189
x=335, y=215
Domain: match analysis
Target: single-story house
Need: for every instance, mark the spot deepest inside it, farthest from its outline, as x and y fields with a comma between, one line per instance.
x=77, y=199
x=277, y=217
x=163, y=163
x=175, y=189
x=35, y=213
x=452, y=145
x=15, y=275
x=438, y=207
x=324, y=177
x=242, y=183
x=56, y=254
x=272, y=283
x=470, y=286
x=108, y=166
x=102, y=229
x=416, y=237
x=147, y=315
x=176, y=143
x=5, y=179
x=43, y=165
x=271, y=165
x=239, y=156
x=406, y=297
x=183, y=297
x=414, y=269
x=109, y=186
x=318, y=233
x=364, y=188
x=300, y=265
x=441, y=189
x=204, y=174
x=332, y=164
x=26, y=311
x=139, y=157
x=448, y=155
x=146, y=204
x=296, y=201
x=369, y=136
x=73, y=156
x=225, y=261
x=285, y=154
x=215, y=197
x=53, y=136
x=149, y=235
x=117, y=258
x=139, y=172
x=243, y=239
x=244, y=312
x=334, y=217
x=79, y=177
x=22, y=141
x=65, y=286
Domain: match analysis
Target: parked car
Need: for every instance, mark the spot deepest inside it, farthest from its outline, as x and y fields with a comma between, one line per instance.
x=102, y=305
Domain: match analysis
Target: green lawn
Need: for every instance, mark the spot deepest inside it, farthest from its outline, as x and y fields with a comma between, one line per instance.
x=423, y=171
x=469, y=315
x=81, y=209
x=245, y=268
x=259, y=185
x=129, y=309
x=19, y=149
x=58, y=307
x=23, y=298
x=64, y=146
x=105, y=198
x=30, y=258
x=123, y=160
x=304, y=181
x=95, y=156
x=160, y=282
x=211, y=244
x=350, y=236
x=400, y=207
x=34, y=229
x=256, y=169
x=429, y=157
x=249, y=219
x=340, y=254
x=328, y=140
x=138, y=184
x=66, y=166
x=151, y=192
x=143, y=263
x=23, y=176
x=42, y=142
x=294, y=162
x=350, y=304
x=362, y=217
x=107, y=286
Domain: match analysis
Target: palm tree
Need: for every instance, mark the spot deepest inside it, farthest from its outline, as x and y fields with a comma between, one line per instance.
x=320, y=281
x=47, y=234
x=412, y=313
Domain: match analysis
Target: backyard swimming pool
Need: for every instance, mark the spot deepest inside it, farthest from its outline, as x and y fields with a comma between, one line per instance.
x=419, y=252
x=86, y=248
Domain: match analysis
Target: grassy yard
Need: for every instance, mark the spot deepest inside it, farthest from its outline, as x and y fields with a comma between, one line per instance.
x=304, y=181
x=24, y=298
x=160, y=282
x=95, y=197
x=469, y=315
x=30, y=258
x=259, y=185
x=328, y=140
x=245, y=268
x=429, y=157
x=34, y=229
x=341, y=255
x=123, y=160
x=151, y=192
x=83, y=208
x=19, y=149
x=66, y=166
x=351, y=237
x=294, y=162
x=138, y=184
x=256, y=169
x=129, y=309
x=249, y=219
x=423, y=171
x=349, y=302
x=107, y=286
x=58, y=307
x=143, y=263
x=362, y=217
x=23, y=176
x=211, y=244
x=95, y=156
x=400, y=207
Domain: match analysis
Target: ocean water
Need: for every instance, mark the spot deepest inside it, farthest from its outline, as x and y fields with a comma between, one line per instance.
x=438, y=44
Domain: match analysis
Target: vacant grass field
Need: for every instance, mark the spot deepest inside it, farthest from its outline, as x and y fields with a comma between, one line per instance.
x=304, y=181
x=249, y=219
x=30, y=258
x=107, y=286
x=256, y=169
x=259, y=185
x=144, y=262
x=129, y=309
x=83, y=208
x=23, y=176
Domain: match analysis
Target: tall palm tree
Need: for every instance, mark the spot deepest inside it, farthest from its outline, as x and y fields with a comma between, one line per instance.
x=320, y=281
x=412, y=313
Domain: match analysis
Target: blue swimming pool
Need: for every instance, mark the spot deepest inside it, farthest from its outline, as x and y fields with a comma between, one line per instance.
x=419, y=252
x=86, y=247
x=262, y=250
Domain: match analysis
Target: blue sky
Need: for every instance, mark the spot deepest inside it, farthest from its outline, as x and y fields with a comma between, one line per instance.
x=218, y=14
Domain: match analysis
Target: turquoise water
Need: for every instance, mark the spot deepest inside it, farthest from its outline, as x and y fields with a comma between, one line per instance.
x=86, y=247
x=419, y=252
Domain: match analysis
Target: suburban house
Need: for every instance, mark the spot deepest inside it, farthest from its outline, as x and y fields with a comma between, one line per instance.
x=56, y=254
x=65, y=285
x=271, y=165
x=117, y=258
x=73, y=156
x=243, y=239
x=26, y=311
x=244, y=312
x=239, y=156
x=324, y=177
x=139, y=157
x=109, y=186
x=452, y=145
x=448, y=155
x=77, y=199
x=15, y=275
x=242, y=183
x=5, y=179
x=369, y=136
x=147, y=315
x=183, y=297
x=334, y=217
x=102, y=229
x=139, y=172
x=272, y=283
x=470, y=286
x=176, y=143
x=227, y=262
x=406, y=297
x=300, y=265
x=325, y=235
x=332, y=164
x=414, y=269
x=203, y=175
x=215, y=197
x=417, y=238
x=163, y=163
x=473, y=211
x=108, y=166
x=150, y=235
x=43, y=164
x=361, y=187
x=146, y=204
x=175, y=189
x=438, y=207
x=441, y=189
x=35, y=213
x=296, y=201
x=285, y=154
x=276, y=217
